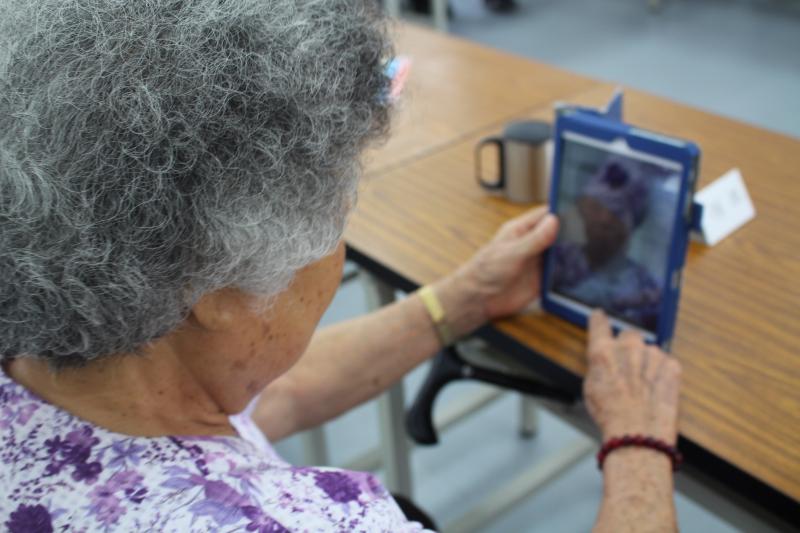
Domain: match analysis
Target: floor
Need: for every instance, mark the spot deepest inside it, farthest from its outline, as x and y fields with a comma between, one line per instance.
x=737, y=58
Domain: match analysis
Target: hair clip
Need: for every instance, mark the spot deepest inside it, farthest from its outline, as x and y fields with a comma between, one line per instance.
x=397, y=69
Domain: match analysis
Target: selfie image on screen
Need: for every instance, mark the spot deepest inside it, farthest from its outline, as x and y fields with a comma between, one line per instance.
x=617, y=213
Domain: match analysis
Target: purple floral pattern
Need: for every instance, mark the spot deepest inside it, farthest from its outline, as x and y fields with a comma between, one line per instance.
x=74, y=451
x=63, y=473
x=30, y=519
x=338, y=486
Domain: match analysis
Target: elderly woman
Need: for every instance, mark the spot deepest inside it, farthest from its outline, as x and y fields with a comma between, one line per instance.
x=175, y=178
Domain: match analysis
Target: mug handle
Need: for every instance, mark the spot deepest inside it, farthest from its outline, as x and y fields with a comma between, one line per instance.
x=501, y=180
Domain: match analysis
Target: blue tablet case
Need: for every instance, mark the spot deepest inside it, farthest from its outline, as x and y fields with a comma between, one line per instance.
x=607, y=126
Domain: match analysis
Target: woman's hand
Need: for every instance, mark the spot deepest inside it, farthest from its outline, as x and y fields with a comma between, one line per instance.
x=631, y=388
x=503, y=276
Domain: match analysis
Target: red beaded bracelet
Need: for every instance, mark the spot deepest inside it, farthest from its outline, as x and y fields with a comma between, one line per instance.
x=640, y=441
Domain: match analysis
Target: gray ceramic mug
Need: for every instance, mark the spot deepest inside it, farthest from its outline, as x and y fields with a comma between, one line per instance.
x=524, y=152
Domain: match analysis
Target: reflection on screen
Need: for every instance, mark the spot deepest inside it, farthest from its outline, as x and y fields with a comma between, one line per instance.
x=617, y=214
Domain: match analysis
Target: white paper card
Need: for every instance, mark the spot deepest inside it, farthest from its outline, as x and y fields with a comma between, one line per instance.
x=726, y=207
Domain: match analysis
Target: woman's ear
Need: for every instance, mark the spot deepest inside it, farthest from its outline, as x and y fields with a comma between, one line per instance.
x=221, y=310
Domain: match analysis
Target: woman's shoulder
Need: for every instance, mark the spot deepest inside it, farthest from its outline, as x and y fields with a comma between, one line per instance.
x=63, y=471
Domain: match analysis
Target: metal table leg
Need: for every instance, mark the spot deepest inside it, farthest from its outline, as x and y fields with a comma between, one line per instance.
x=315, y=447
x=395, y=447
x=440, y=15
x=392, y=8
x=528, y=417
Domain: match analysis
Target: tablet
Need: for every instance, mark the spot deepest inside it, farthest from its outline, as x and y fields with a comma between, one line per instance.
x=624, y=198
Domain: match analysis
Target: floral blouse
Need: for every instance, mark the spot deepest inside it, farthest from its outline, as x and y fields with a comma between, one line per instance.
x=61, y=473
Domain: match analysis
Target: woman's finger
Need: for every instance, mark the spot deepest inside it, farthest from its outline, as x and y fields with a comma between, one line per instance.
x=599, y=332
x=523, y=223
x=667, y=384
x=651, y=369
x=630, y=354
x=540, y=237
x=646, y=361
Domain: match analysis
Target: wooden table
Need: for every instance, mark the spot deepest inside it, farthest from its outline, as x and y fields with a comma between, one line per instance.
x=738, y=331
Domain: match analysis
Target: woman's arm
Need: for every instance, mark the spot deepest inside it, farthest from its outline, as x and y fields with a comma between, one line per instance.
x=632, y=388
x=349, y=363
x=637, y=493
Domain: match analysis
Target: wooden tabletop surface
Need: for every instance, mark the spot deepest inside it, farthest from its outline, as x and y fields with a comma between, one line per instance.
x=435, y=108
x=738, y=328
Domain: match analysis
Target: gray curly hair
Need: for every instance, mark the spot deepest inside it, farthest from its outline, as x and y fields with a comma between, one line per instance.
x=153, y=151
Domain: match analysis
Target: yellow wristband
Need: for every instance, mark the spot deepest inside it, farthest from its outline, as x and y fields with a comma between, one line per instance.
x=436, y=312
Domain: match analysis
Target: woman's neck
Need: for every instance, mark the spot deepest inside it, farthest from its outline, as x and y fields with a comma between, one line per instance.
x=191, y=380
x=153, y=394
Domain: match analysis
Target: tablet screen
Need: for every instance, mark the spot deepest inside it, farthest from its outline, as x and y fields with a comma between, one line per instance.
x=617, y=209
